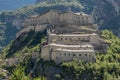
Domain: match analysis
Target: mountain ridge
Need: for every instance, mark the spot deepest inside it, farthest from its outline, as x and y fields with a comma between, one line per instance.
x=105, y=13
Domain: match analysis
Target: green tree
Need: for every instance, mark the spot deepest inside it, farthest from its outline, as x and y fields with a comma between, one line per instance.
x=18, y=74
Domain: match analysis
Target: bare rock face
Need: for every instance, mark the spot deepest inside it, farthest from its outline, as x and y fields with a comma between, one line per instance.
x=14, y=20
x=116, y=5
x=107, y=13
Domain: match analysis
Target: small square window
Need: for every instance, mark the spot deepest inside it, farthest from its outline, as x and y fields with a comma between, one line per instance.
x=74, y=55
x=60, y=54
x=79, y=54
x=85, y=54
x=69, y=54
x=64, y=53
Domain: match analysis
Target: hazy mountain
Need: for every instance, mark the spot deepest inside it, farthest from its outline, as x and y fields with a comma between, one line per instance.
x=14, y=4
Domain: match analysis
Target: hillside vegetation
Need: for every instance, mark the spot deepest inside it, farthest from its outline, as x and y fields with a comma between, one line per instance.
x=105, y=68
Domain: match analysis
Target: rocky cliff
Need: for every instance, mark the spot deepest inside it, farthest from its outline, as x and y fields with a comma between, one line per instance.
x=105, y=12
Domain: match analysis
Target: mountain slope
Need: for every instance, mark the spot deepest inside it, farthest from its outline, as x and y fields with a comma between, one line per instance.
x=105, y=12
x=16, y=18
x=105, y=68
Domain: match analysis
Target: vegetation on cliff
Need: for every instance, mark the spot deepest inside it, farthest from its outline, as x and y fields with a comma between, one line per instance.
x=19, y=74
x=105, y=68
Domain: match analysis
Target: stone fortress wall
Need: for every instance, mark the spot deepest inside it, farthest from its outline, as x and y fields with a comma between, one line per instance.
x=66, y=47
x=66, y=51
x=58, y=18
x=65, y=40
x=72, y=39
x=61, y=20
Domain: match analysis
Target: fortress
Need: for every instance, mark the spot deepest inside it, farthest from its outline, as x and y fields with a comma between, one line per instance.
x=69, y=36
x=63, y=22
x=59, y=18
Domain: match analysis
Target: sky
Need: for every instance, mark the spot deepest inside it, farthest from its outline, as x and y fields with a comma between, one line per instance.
x=14, y=4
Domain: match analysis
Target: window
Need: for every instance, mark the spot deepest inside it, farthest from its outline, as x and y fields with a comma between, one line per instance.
x=70, y=38
x=85, y=54
x=79, y=38
x=69, y=54
x=79, y=54
x=61, y=38
x=89, y=55
x=64, y=53
x=88, y=38
x=83, y=38
x=65, y=38
x=82, y=17
x=74, y=55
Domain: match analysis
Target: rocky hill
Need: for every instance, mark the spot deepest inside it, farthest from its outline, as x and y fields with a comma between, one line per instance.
x=105, y=68
x=105, y=12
